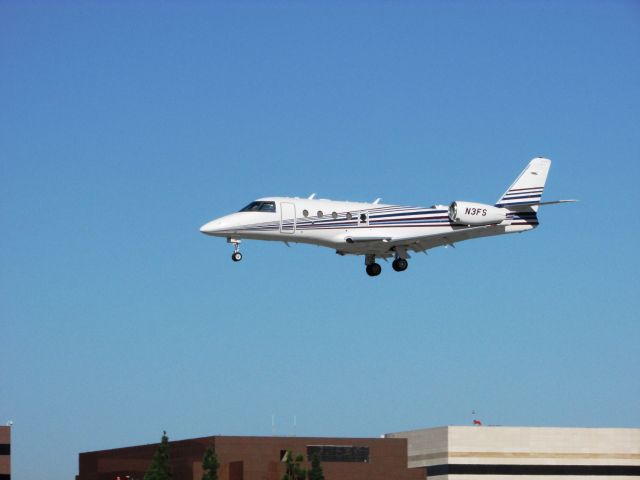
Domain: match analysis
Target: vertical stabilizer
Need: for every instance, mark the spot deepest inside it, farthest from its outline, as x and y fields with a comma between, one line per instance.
x=528, y=187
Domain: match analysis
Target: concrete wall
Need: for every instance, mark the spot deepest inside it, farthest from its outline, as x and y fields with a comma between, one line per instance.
x=524, y=452
x=428, y=446
x=550, y=446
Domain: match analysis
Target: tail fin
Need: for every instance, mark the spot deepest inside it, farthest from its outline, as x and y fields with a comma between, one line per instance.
x=526, y=191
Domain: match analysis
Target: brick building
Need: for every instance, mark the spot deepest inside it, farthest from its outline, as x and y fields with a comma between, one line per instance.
x=259, y=458
x=5, y=453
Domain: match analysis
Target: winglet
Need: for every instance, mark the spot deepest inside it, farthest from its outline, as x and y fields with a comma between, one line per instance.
x=312, y=196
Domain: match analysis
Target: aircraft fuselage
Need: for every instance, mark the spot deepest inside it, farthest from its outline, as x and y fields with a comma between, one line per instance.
x=347, y=226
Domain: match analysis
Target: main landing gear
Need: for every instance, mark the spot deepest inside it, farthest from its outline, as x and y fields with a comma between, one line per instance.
x=374, y=269
x=236, y=256
x=400, y=264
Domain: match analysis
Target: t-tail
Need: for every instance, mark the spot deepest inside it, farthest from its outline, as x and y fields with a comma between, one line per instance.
x=527, y=190
x=525, y=193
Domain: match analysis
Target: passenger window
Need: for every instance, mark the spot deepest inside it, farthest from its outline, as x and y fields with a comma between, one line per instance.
x=305, y=213
x=334, y=215
x=320, y=213
x=349, y=216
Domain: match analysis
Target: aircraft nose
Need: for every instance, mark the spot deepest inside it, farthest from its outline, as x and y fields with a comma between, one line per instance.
x=211, y=227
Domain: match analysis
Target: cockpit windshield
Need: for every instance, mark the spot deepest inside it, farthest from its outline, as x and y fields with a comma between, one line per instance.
x=260, y=207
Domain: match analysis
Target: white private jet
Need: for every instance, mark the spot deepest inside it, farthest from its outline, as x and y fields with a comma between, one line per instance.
x=376, y=230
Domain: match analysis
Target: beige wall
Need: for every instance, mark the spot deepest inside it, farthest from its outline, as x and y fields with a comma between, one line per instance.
x=544, y=446
x=428, y=446
x=521, y=446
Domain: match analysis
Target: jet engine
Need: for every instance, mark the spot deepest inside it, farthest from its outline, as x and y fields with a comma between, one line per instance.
x=476, y=214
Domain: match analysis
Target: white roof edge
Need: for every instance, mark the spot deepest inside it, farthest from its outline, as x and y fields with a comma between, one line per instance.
x=509, y=427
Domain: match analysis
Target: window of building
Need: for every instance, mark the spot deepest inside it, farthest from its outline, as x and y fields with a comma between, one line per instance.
x=338, y=453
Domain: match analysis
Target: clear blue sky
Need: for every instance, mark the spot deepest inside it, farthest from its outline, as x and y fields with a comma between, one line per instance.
x=124, y=126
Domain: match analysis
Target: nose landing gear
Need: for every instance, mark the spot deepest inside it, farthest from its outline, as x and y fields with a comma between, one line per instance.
x=236, y=256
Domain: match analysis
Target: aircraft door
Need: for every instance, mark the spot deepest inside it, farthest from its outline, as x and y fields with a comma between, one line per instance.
x=287, y=217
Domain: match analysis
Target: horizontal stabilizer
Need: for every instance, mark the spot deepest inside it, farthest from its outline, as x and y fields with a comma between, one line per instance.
x=536, y=204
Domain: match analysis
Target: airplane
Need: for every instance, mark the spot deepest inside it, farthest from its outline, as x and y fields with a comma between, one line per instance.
x=384, y=231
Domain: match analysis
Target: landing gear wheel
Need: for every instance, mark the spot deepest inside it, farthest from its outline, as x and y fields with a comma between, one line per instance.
x=236, y=256
x=400, y=264
x=374, y=269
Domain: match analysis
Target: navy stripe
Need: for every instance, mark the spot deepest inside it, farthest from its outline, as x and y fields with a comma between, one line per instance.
x=529, y=188
x=413, y=222
x=519, y=220
x=320, y=224
x=432, y=217
x=514, y=203
x=425, y=212
x=526, y=195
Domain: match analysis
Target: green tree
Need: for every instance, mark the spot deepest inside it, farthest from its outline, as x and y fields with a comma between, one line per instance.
x=316, y=469
x=210, y=465
x=159, y=466
x=293, y=470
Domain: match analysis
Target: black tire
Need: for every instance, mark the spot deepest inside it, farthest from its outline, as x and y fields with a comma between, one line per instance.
x=236, y=256
x=374, y=269
x=400, y=264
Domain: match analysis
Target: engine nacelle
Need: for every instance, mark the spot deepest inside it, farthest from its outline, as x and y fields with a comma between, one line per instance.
x=476, y=214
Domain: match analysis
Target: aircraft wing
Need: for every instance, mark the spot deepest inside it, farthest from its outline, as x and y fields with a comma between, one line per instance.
x=425, y=242
x=422, y=242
